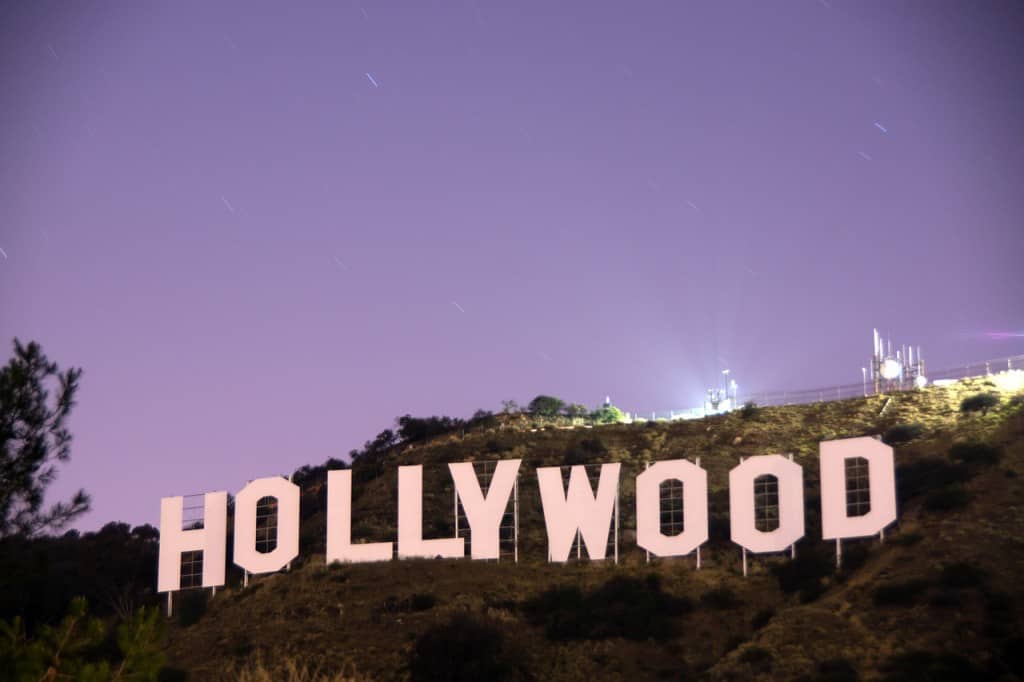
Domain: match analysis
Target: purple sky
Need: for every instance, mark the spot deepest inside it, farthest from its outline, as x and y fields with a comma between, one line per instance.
x=256, y=227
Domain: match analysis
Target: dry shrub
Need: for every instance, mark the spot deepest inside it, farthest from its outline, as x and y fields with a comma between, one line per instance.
x=292, y=670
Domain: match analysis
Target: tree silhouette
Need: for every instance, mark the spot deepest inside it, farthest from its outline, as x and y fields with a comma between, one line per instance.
x=33, y=438
x=545, y=406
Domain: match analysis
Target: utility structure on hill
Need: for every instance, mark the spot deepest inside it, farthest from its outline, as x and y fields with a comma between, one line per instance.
x=895, y=371
x=723, y=399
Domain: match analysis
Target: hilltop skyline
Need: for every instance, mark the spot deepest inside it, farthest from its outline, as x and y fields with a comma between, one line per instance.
x=263, y=233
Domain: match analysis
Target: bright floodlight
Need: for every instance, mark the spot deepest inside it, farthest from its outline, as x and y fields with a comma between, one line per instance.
x=890, y=369
x=920, y=381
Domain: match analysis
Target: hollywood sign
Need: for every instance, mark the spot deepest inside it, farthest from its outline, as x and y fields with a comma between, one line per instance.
x=569, y=514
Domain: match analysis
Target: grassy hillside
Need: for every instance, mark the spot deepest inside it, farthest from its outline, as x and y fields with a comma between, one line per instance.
x=939, y=599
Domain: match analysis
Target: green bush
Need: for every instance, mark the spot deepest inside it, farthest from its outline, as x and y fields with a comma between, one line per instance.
x=499, y=445
x=76, y=648
x=750, y=410
x=464, y=648
x=623, y=607
x=902, y=433
x=720, y=598
x=855, y=554
x=961, y=575
x=907, y=539
x=482, y=420
x=584, y=452
x=189, y=606
x=972, y=453
x=916, y=666
x=608, y=414
x=979, y=402
x=905, y=593
x=412, y=429
x=758, y=658
x=835, y=670
x=805, y=573
x=576, y=411
x=417, y=602
x=422, y=601
x=545, y=406
x=762, y=618
x=947, y=498
x=927, y=475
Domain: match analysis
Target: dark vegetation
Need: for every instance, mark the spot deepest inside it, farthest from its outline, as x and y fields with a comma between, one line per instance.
x=980, y=402
x=631, y=608
x=33, y=440
x=465, y=648
x=749, y=410
x=902, y=433
x=943, y=574
x=81, y=647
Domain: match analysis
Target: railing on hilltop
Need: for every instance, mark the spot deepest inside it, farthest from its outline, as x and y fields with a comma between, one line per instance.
x=854, y=390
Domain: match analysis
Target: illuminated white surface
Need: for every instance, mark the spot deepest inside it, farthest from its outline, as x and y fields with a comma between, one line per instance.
x=881, y=480
x=410, y=521
x=695, y=508
x=211, y=539
x=287, y=495
x=485, y=513
x=578, y=510
x=1009, y=381
x=339, y=525
x=890, y=369
x=744, y=531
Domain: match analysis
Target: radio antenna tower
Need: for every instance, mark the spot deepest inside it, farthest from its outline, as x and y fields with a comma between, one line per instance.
x=896, y=372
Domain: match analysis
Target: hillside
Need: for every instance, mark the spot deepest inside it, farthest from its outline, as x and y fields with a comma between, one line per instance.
x=939, y=599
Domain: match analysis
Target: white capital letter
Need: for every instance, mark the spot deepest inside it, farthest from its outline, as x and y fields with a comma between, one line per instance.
x=881, y=481
x=695, y=508
x=287, y=495
x=339, y=524
x=410, y=521
x=211, y=539
x=790, y=477
x=485, y=513
x=579, y=510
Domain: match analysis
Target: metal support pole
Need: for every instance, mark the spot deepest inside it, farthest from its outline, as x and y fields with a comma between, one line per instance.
x=839, y=553
x=245, y=578
x=515, y=521
x=170, y=604
x=455, y=496
x=697, y=460
x=616, y=522
x=744, y=561
x=792, y=548
x=647, y=465
x=881, y=535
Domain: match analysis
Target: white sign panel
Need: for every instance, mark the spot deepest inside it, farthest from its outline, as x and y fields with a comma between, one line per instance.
x=742, y=510
x=835, y=523
x=579, y=510
x=211, y=540
x=695, y=508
